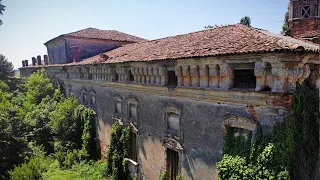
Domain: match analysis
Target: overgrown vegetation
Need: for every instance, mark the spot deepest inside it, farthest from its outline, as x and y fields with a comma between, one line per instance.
x=43, y=133
x=118, y=150
x=289, y=152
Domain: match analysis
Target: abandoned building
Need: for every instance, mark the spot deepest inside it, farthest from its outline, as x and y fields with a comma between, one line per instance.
x=178, y=92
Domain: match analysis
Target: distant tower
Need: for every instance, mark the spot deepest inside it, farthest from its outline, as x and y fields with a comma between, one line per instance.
x=304, y=19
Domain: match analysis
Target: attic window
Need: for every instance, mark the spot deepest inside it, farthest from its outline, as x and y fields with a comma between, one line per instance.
x=172, y=79
x=306, y=10
x=244, y=78
x=131, y=78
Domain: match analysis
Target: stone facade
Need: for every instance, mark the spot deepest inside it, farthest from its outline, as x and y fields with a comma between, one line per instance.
x=189, y=118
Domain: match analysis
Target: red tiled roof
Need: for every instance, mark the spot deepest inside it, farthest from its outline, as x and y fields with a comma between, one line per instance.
x=225, y=40
x=94, y=33
x=105, y=34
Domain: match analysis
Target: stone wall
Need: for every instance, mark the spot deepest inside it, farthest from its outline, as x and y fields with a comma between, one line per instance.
x=203, y=100
x=200, y=142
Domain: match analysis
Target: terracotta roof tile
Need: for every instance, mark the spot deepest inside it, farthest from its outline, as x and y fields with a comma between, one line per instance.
x=231, y=39
x=225, y=40
x=94, y=33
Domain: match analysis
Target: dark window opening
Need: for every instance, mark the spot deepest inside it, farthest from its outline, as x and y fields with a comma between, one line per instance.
x=172, y=79
x=90, y=76
x=244, y=79
x=116, y=77
x=93, y=100
x=84, y=97
x=172, y=164
x=133, y=147
x=267, y=88
x=131, y=78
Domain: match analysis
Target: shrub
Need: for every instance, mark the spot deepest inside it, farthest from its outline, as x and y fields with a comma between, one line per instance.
x=30, y=170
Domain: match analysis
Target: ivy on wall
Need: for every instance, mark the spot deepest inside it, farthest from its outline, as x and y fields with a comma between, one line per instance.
x=289, y=152
x=118, y=152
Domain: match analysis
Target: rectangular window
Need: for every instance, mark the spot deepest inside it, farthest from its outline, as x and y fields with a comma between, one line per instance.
x=172, y=164
x=244, y=78
x=172, y=79
x=133, y=147
x=173, y=121
x=118, y=107
x=132, y=111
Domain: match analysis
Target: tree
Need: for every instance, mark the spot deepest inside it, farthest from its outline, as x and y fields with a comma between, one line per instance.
x=38, y=87
x=6, y=67
x=285, y=26
x=1, y=11
x=246, y=21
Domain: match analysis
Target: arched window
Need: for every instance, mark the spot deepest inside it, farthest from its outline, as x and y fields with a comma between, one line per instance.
x=84, y=96
x=132, y=110
x=118, y=105
x=92, y=99
x=173, y=121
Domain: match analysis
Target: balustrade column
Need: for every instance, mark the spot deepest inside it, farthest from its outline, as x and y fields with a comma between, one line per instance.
x=226, y=75
x=151, y=76
x=260, y=71
x=214, y=76
x=163, y=76
x=281, y=74
x=195, y=76
x=186, y=76
x=204, y=76
x=145, y=75
x=297, y=74
x=178, y=71
x=156, y=74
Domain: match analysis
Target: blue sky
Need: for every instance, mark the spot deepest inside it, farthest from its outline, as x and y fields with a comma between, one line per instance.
x=28, y=24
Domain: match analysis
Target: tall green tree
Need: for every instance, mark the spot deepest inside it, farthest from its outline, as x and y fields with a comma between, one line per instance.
x=285, y=26
x=246, y=21
x=2, y=7
x=6, y=67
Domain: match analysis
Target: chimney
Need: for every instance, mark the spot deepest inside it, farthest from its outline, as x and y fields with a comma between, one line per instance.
x=75, y=53
x=34, y=61
x=39, y=60
x=46, y=60
x=23, y=64
x=26, y=62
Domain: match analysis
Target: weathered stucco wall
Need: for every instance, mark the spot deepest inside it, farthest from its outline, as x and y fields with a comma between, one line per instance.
x=201, y=126
x=60, y=51
x=90, y=47
x=57, y=51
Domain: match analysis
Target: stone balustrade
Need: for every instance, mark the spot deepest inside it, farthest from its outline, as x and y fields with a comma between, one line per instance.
x=278, y=77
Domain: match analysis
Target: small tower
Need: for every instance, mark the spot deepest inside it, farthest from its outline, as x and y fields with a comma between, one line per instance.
x=304, y=19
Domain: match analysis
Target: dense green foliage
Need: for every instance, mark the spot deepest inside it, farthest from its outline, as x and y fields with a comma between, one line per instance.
x=289, y=152
x=236, y=145
x=285, y=26
x=41, y=131
x=246, y=21
x=6, y=67
x=118, y=152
